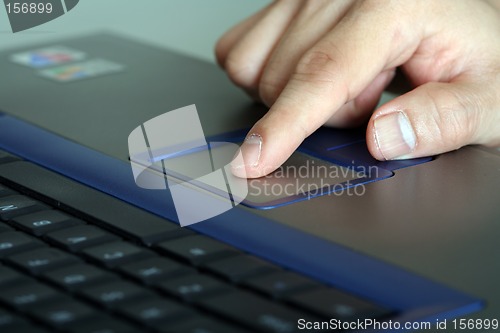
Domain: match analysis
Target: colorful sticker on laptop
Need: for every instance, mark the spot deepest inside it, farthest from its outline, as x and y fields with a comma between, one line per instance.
x=82, y=70
x=48, y=56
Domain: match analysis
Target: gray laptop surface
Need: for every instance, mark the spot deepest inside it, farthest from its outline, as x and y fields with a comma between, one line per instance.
x=438, y=220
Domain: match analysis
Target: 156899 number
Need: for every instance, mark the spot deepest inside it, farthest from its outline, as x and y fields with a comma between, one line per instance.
x=29, y=8
x=475, y=324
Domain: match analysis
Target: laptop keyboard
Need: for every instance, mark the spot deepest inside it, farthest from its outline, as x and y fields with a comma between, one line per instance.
x=73, y=259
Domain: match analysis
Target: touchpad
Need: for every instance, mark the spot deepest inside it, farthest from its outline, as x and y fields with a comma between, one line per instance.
x=301, y=177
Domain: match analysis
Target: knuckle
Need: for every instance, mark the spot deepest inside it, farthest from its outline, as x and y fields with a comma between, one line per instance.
x=316, y=66
x=320, y=70
x=455, y=116
x=239, y=70
x=469, y=112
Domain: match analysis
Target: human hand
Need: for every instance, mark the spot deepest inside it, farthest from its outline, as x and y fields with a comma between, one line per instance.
x=327, y=62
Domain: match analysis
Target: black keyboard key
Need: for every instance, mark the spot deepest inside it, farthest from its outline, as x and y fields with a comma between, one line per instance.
x=5, y=191
x=115, y=293
x=202, y=324
x=117, y=253
x=77, y=276
x=6, y=157
x=28, y=295
x=92, y=204
x=154, y=269
x=15, y=242
x=41, y=260
x=332, y=303
x=77, y=238
x=280, y=284
x=196, y=249
x=260, y=314
x=63, y=313
x=9, y=277
x=155, y=312
x=236, y=269
x=43, y=222
x=194, y=287
x=103, y=324
x=16, y=205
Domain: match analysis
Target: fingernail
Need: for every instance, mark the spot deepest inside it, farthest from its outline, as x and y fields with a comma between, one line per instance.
x=394, y=135
x=250, y=152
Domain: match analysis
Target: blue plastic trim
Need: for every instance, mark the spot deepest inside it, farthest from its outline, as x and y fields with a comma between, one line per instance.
x=413, y=297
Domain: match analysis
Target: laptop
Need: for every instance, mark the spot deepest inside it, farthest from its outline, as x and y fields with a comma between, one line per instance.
x=87, y=247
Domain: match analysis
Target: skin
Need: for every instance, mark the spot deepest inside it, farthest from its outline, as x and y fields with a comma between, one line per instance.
x=326, y=62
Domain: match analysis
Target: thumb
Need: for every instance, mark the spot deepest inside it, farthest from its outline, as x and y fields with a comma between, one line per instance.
x=435, y=118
